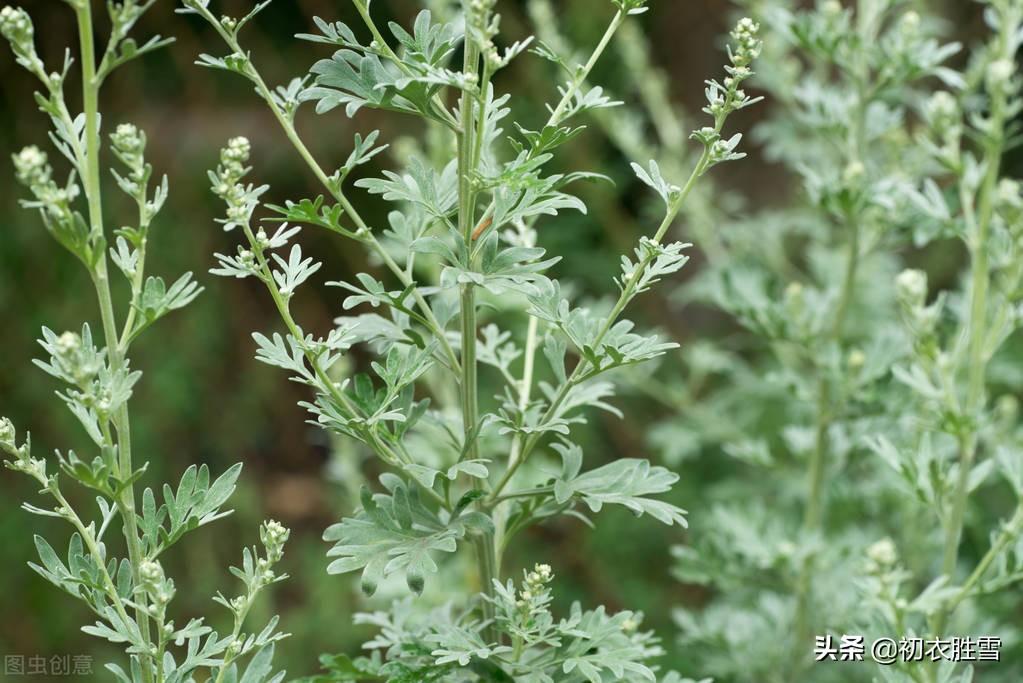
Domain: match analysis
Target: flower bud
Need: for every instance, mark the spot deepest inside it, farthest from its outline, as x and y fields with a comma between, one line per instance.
x=911, y=287
x=154, y=583
x=832, y=7
x=150, y=572
x=853, y=172
x=128, y=140
x=942, y=105
x=32, y=168
x=68, y=343
x=1007, y=408
x=236, y=154
x=273, y=535
x=910, y=23
x=7, y=435
x=747, y=42
x=1010, y=194
x=882, y=555
x=16, y=27
x=999, y=74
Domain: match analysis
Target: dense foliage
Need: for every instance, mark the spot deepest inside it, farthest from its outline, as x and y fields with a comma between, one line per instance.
x=834, y=400
x=475, y=472
x=130, y=596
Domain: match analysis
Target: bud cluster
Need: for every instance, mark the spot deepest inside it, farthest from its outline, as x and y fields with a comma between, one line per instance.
x=33, y=170
x=921, y=319
x=8, y=436
x=535, y=594
x=944, y=118
x=129, y=144
x=78, y=362
x=746, y=35
x=727, y=96
x=157, y=587
x=24, y=462
x=883, y=553
x=485, y=24
x=1000, y=77
x=16, y=27
x=241, y=199
x=1010, y=203
x=273, y=536
x=911, y=287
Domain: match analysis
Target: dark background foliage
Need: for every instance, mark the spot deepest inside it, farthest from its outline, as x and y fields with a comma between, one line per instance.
x=204, y=399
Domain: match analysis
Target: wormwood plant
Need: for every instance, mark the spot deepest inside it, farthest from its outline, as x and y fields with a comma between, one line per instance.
x=895, y=151
x=461, y=242
x=130, y=596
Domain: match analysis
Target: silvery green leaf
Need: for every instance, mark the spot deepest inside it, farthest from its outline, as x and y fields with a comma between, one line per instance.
x=653, y=178
x=1010, y=464
x=294, y=271
x=625, y=482
x=391, y=532
x=156, y=300
x=435, y=192
x=282, y=353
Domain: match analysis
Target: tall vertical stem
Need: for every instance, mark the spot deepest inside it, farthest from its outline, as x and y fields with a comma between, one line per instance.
x=467, y=159
x=976, y=370
x=101, y=280
x=813, y=514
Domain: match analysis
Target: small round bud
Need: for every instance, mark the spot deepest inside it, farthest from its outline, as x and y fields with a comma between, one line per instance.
x=150, y=571
x=1007, y=408
x=942, y=109
x=68, y=343
x=236, y=152
x=883, y=553
x=910, y=22
x=832, y=7
x=7, y=434
x=854, y=170
x=911, y=287
x=16, y=27
x=128, y=140
x=31, y=167
x=856, y=359
x=273, y=535
x=999, y=74
x=1010, y=194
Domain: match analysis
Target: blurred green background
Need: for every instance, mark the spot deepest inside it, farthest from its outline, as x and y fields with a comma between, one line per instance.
x=204, y=399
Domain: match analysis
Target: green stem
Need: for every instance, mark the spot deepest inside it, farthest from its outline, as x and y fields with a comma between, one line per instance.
x=365, y=234
x=584, y=73
x=813, y=515
x=849, y=279
x=91, y=181
x=628, y=292
x=385, y=452
x=440, y=112
x=486, y=556
x=110, y=587
x=980, y=281
x=235, y=632
x=1007, y=536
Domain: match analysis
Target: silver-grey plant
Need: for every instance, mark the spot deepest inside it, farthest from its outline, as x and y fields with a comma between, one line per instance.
x=461, y=243
x=882, y=418
x=130, y=596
